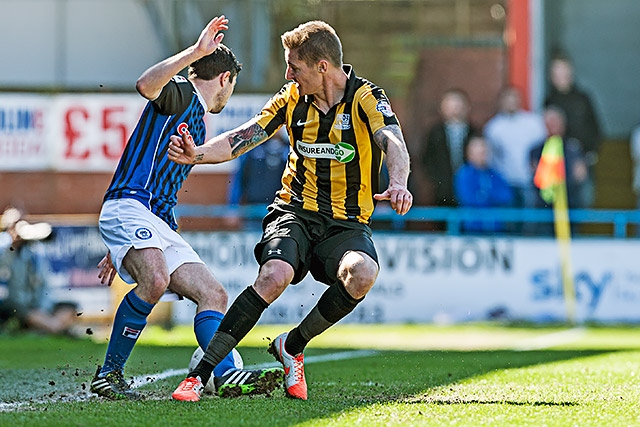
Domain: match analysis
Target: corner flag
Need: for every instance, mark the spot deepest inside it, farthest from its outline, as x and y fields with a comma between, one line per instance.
x=550, y=174
x=550, y=178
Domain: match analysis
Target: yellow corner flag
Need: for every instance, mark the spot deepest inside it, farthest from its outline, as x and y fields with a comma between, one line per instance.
x=550, y=178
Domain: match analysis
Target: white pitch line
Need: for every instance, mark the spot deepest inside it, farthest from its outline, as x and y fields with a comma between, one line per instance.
x=147, y=379
x=550, y=340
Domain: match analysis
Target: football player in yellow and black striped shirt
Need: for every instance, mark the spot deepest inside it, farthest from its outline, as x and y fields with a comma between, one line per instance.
x=339, y=127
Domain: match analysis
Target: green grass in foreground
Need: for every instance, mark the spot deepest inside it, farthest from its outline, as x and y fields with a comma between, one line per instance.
x=469, y=375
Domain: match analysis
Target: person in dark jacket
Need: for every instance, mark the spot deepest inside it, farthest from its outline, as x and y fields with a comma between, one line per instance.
x=576, y=169
x=257, y=179
x=581, y=119
x=444, y=144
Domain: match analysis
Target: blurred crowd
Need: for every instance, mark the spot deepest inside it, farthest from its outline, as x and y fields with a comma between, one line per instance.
x=493, y=165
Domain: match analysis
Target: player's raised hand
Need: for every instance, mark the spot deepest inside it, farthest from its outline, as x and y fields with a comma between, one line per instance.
x=107, y=270
x=182, y=149
x=399, y=197
x=211, y=37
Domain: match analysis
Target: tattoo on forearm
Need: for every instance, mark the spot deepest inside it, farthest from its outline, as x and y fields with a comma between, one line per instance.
x=246, y=139
x=198, y=158
x=383, y=136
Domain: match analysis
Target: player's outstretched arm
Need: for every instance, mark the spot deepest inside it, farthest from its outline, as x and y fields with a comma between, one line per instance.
x=224, y=147
x=152, y=81
x=391, y=141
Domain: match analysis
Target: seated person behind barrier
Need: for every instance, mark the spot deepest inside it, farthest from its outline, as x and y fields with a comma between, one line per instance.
x=576, y=168
x=478, y=185
x=25, y=302
x=575, y=163
x=258, y=178
x=634, y=146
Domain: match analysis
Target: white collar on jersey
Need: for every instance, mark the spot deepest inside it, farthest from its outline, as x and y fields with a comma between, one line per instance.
x=201, y=98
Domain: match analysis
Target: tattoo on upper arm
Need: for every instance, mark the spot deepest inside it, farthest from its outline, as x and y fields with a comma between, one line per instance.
x=383, y=136
x=245, y=139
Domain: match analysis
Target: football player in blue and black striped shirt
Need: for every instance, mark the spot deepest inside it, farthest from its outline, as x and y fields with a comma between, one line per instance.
x=138, y=225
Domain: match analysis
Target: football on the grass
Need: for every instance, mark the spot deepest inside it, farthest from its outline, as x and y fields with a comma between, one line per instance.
x=195, y=359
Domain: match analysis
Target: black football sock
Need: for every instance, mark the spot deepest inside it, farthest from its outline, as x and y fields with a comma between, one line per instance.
x=243, y=314
x=219, y=346
x=334, y=304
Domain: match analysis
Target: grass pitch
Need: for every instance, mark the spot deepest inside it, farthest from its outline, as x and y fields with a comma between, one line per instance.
x=468, y=375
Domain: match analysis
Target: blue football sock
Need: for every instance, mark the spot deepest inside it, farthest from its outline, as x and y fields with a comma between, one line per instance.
x=205, y=324
x=129, y=321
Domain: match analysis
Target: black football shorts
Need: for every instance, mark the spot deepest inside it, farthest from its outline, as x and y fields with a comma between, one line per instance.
x=311, y=242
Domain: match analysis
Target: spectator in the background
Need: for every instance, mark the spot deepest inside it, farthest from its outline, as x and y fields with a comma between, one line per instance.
x=576, y=170
x=511, y=135
x=581, y=120
x=25, y=300
x=478, y=185
x=443, y=147
x=258, y=178
x=634, y=145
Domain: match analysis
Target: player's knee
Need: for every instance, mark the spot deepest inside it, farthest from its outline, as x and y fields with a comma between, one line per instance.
x=214, y=295
x=274, y=277
x=358, y=273
x=153, y=287
x=207, y=293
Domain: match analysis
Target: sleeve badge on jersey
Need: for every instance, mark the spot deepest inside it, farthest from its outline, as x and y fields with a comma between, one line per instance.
x=179, y=79
x=384, y=107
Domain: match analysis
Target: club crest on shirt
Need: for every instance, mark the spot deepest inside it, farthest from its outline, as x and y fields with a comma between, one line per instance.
x=343, y=122
x=384, y=107
x=143, y=233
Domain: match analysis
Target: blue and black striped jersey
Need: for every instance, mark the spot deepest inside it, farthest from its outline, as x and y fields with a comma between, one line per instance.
x=144, y=172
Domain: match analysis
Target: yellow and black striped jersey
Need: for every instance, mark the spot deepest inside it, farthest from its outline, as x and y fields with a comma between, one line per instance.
x=334, y=164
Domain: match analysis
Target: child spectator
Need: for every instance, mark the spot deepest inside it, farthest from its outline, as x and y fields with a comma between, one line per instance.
x=478, y=185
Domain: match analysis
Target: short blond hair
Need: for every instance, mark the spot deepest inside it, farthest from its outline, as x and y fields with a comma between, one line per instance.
x=314, y=41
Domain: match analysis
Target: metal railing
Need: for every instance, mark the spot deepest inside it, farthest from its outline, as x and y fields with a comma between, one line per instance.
x=453, y=218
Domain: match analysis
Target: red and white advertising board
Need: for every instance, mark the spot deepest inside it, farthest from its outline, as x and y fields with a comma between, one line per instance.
x=88, y=132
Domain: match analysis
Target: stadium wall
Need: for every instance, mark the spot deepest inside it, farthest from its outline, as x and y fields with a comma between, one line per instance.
x=424, y=278
x=58, y=152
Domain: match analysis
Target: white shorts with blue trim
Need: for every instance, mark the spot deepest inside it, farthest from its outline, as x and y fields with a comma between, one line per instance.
x=127, y=223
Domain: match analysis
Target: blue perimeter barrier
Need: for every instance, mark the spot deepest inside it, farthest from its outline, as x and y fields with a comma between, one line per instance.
x=453, y=217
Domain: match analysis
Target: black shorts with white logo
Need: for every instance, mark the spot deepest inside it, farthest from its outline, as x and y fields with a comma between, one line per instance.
x=311, y=242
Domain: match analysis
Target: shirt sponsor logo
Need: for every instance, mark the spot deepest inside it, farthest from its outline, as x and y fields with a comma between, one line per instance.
x=343, y=122
x=384, y=107
x=341, y=151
